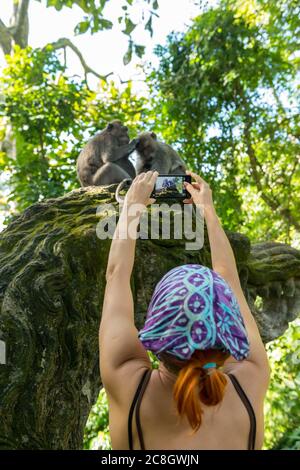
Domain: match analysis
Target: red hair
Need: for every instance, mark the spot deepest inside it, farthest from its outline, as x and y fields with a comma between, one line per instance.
x=195, y=385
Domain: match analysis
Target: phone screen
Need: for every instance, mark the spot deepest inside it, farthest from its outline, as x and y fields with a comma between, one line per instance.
x=171, y=186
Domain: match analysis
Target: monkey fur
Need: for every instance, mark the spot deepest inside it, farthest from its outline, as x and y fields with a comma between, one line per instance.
x=104, y=159
x=153, y=154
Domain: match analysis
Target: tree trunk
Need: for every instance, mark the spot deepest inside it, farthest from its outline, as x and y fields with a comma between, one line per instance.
x=52, y=280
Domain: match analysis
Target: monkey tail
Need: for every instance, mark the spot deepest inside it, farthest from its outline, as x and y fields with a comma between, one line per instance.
x=121, y=185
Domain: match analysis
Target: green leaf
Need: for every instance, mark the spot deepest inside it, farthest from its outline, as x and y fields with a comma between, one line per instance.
x=82, y=27
x=139, y=50
x=128, y=56
x=105, y=24
x=148, y=26
x=130, y=26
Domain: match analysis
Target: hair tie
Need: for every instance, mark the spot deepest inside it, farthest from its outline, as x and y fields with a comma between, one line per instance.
x=209, y=365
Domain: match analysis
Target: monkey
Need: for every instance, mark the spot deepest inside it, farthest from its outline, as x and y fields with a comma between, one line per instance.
x=153, y=154
x=104, y=159
x=170, y=184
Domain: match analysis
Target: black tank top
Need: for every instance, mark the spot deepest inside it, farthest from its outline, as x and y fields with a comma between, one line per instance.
x=138, y=398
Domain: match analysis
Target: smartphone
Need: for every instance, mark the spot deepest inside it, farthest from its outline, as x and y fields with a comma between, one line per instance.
x=171, y=186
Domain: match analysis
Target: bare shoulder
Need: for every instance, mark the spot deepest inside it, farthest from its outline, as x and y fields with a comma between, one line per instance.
x=253, y=378
x=254, y=371
x=254, y=381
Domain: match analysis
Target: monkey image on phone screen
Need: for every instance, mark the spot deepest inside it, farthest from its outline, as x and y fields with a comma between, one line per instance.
x=169, y=186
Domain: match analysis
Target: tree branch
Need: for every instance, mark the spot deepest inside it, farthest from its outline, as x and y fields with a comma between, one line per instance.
x=130, y=80
x=5, y=38
x=19, y=23
x=271, y=200
x=62, y=43
x=21, y=26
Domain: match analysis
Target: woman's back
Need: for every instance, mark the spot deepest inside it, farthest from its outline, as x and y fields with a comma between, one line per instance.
x=198, y=316
x=225, y=426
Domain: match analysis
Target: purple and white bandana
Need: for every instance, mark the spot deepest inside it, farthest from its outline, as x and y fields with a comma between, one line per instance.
x=193, y=307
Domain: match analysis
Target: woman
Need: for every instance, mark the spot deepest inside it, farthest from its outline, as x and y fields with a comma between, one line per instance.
x=209, y=389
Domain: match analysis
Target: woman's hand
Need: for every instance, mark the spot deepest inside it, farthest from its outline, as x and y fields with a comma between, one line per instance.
x=200, y=191
x=141, y=188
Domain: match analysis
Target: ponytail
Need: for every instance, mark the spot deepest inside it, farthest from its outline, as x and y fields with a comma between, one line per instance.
x=195, y=385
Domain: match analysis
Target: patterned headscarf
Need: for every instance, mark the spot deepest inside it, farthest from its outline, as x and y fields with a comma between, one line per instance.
x=193, y=307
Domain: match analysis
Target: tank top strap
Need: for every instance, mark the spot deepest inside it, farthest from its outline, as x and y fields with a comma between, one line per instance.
x=137, y=399
x=249, y=408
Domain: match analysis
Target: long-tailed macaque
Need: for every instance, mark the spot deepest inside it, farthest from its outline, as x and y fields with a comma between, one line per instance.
x=104, y=159
x=155, y=155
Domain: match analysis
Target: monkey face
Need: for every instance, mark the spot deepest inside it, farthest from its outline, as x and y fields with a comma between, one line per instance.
x=146, y=142
x=117, y=129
